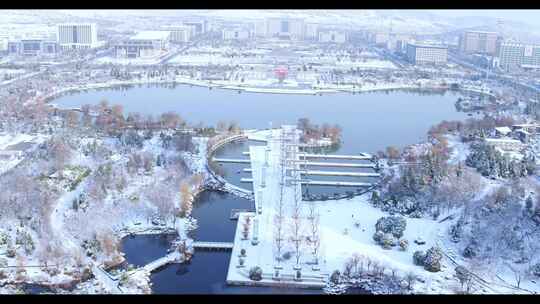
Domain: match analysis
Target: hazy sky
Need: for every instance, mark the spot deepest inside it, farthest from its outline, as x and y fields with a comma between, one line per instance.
x=528, y=16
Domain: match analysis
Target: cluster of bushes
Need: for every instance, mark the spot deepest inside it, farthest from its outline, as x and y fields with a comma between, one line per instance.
x=388, y=232
x=255, y=273
x=398, y=204
x=431, y=260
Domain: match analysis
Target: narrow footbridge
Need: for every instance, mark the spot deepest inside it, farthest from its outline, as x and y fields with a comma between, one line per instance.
x=232, y=160
x=302, y=163
x=320, y=183
x=328, y=164
x=339, y=173
x=363, y=156
x=329, y=173
x=213, y=245
x=168, y=259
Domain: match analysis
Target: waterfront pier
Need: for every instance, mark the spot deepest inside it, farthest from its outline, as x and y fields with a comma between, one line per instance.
x=278, y=171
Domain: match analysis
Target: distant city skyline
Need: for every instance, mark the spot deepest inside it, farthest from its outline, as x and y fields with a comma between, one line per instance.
x=527, y=16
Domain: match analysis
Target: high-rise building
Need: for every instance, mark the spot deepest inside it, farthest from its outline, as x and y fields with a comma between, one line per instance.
x=200, y=27
x=77, y=35
x=180, y=34
x=380, y=39
x=312, y=31
x=516, y=55
x=427, y=53
x=479, y=42
x=3, y=44
x=289, y=28
x=397, y=42
x=260, y=28
x=332, y=37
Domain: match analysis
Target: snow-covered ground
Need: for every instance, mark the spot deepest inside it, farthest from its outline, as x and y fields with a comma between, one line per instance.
x=346, y=227
x=460, y=150
x=125, y=61
x=119, y=212
x=18, y=77
x=9, y=158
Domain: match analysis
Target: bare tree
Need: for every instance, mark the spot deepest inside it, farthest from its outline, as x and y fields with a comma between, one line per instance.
x=278, y=230
x=465, y=279
x=394, y=272
x=518, y=272
x=278, y=237
x=392, y=152
x=296, y=229
x=375, y=267
x=410, y=277
x=148, y=162
x=186, y=199
x=44, y=254
x=40, y=110
x=234, y=128
x=117, y=110
x=221, y=126
x=109, y=243
x=72, y=119
x=196, y=181
x=162, y=197
x=314, y=236
x=61, y=153
x=170, y=120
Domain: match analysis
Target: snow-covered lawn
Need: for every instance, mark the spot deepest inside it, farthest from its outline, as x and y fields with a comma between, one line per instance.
x=10, y=157
x=341, y=238
x=459, y=150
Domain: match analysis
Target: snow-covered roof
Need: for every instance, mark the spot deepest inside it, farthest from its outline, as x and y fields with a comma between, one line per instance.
x=513, y=155
x=151, y=35
x=503, y=140
x=481, y=32
x=523, y=131
x=428, y=45
x=503, y=130
x=76, y=24
x=516, y=44
x=176, y=27
x=526, y=125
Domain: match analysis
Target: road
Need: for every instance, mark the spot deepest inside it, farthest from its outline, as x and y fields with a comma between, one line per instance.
x=492, y=74
x=193, y=43
x=388, y=55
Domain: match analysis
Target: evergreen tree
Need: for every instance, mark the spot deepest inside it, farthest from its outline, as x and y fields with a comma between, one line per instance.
x=529, y=204
x=459, y=170
x=375, y=199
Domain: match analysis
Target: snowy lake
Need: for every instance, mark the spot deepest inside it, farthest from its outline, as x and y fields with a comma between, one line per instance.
x=370, y=121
